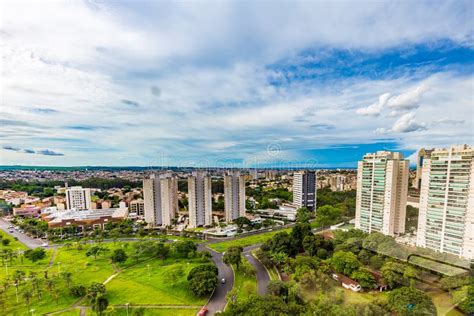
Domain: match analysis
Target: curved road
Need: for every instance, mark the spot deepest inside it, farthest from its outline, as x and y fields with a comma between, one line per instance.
x=217, y=302
x=263, y=278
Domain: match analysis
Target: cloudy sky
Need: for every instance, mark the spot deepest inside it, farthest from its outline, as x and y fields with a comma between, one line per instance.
x=232, y=83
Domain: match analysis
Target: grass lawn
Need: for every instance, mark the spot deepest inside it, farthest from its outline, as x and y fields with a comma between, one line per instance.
x=137, y=286
x=245, y=283
x=14, y=244
x=158, y=311
x=246, y=241
x=442, y=300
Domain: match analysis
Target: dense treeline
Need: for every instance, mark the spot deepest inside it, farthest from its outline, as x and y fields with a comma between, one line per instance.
x=45, y=188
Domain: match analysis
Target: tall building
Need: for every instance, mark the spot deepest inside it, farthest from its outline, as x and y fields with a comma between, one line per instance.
x=382, y=189
x=200, y=199
x=78, y=198
x=304, y=189
x=234, y=196
x=422, y=155
x=160, y=196
x=446, y=217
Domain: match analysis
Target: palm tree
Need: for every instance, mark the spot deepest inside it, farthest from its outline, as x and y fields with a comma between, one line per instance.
x=67, y=276
x=6, y=285
x=50, y=285
x=27, y=294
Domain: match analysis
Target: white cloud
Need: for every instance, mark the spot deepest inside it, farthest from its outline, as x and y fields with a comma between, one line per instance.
x=206, y=67
x=407, y=123
x=375, y=108
x=408, y=100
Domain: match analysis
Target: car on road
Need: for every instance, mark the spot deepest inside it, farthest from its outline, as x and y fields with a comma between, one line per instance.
x=202, y=312
x=45, y=244
x=223, y=281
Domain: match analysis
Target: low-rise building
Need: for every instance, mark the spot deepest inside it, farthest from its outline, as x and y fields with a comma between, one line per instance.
x=94, y=219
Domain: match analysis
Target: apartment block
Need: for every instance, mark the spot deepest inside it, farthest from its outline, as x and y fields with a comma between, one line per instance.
x=200, y=199
x=160, y=196
x=422, y=155
x=304, y=189
x=78, y=198
x=234, y=196
x=382, y=189
x=446, y=218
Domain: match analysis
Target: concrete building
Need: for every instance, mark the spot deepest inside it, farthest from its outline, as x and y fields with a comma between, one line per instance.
x=304, y=189
x=137, y=207
x=422, y=155
x=78, y=198
x=200, y=199
x=160, y=196
x=446, y=218
x=234, y=196
x=86, y=219
x=382, y=189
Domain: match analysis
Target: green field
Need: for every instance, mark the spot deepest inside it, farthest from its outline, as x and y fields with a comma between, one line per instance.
x=245, y=281
x=246, y=241
x=149, y=283
x=132, y=276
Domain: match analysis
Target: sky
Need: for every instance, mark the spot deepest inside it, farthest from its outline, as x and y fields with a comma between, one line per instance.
x=232, y=83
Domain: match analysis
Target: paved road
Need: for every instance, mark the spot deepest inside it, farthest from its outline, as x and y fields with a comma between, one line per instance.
x=28, y=241
x=218, y=299
x=262, y=275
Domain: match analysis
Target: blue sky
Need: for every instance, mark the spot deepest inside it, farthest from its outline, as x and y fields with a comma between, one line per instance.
x=232, y=83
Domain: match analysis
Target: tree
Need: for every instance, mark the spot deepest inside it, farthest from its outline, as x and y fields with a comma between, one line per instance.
x=303, y=215
x=202, y=283
x=298, y=234
x=184, y=249
x=100, y=304
x=67, y=276
x=96, y=250
x=78, y=291
x=201, y=268
x=410, y=301
x=277, y=288
x=162, y=251
x=312, y=243
x=119, y=256
x=5, y=241
x=376, y=261
x=327, y=215
x=345, y=262
x=322, y=253
x=27, y=295
x=280, y=242
x=35, y=254
x=467, y=300
x=242, y=221
x=278, y=258
x=233, y=255
x=364, y=277
x=95, y=290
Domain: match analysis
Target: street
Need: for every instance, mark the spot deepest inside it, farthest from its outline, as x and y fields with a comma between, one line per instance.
x=23, y=238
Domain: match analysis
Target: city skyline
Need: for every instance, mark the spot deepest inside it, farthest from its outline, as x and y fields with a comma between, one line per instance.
x=226, y=84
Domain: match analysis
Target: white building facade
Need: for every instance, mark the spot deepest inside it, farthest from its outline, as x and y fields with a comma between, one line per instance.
x=382, y=189
x=160, y=197
x=78, y=198
x=446, y=218
x=234, y=196
x=200, y=199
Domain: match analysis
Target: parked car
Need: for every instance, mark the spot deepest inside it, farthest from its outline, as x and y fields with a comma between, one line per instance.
x=223, y=281
x=203, y=312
